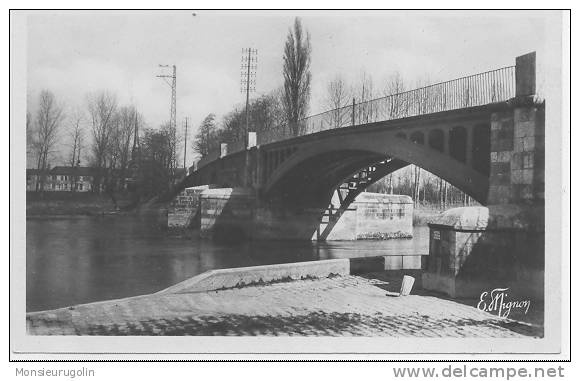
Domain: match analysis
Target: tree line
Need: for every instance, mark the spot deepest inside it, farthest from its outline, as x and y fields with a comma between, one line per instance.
x=103, y=136
x=423, y=187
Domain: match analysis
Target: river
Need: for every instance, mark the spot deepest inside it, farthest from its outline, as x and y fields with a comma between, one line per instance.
x=72, y=260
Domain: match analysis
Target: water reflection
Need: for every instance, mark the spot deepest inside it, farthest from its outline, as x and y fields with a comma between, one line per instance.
x=83, y=259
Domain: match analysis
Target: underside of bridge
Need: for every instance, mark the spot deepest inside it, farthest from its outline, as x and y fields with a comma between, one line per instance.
x=458, y=153
x=314, y=180
x=306, y=171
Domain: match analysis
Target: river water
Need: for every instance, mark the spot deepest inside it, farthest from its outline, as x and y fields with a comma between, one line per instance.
x=72, y=260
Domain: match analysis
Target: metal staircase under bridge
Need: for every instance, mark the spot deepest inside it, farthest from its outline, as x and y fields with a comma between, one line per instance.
x=351, y=188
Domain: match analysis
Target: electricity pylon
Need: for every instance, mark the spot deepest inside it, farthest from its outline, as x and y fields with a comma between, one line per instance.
x=185, y=122
x=172, y=120
x=248, y=81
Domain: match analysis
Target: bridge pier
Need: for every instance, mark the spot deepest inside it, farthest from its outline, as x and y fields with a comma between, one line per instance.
x=239, y=213
x=475, y=250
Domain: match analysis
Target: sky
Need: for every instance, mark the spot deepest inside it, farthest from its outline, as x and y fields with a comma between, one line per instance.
x=77, y=53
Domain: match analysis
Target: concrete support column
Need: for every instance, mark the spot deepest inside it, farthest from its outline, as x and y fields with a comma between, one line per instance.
x=501, y=149
x=527, y=162
x=517, y=156
x=517, y=144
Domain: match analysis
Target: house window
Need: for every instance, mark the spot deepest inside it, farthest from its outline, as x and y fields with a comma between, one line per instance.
x=81, y=187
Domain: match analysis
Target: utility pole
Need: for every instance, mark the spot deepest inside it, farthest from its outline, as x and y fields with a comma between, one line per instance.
x=185, y=144
x=172, y=120
x=248, y=81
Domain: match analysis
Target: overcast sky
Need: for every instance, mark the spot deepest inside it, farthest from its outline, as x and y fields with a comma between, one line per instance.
x=75, y=53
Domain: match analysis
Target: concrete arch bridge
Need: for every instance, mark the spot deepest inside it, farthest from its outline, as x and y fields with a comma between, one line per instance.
x=465, y=131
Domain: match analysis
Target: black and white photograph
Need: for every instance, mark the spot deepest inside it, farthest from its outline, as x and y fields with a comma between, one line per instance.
x=288, y=181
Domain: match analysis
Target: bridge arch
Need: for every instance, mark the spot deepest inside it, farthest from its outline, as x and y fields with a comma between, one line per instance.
x=436, y=139
x=361, y=150
x=417, y=137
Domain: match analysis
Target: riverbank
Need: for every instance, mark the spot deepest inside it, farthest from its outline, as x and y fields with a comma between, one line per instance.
x=344, y=305
x=74, y=204
x=88, y=203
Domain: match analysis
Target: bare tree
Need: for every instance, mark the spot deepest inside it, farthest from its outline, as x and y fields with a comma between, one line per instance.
x=337, y=97
x=203, y=141
x=423, y=96
x=48, y=119
x=396, y=101
x=29, y=134
x=297, y=77
x=364, y=93
x=416, y=183
x=76, y=136
x=125, y=121
x=173, y=141
x=102, y=107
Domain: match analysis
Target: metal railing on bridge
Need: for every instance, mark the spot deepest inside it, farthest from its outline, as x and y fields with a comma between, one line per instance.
x=474, y=90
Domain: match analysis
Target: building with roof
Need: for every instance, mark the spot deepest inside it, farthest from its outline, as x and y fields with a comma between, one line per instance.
x=32, y=178
x=78, y=179
x=61, y=178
